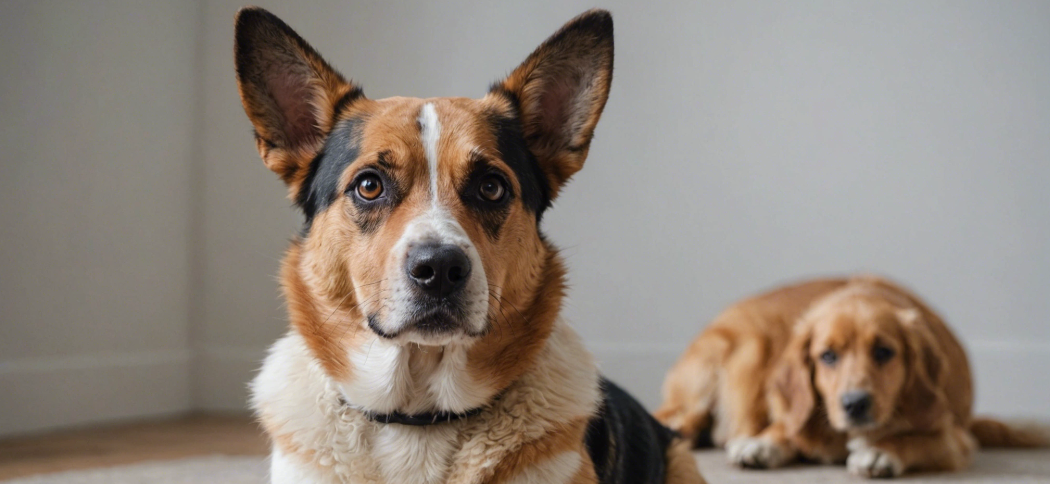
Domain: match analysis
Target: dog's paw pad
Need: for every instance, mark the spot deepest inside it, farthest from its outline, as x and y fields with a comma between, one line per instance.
x=872, y=462
x=755, y=453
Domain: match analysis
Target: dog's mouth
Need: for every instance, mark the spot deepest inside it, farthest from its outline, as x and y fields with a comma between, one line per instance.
x=861, y=423
x=433, y=324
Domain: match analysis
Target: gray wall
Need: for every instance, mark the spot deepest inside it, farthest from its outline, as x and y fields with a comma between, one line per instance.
x=96, y=122
x=744, y=144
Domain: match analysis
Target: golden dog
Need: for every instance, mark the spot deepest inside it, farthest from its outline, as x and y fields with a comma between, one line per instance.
x=857, y=370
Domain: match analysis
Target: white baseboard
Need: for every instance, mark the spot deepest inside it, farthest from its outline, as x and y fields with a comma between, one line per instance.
x=40, y=394
x=221, y=376
x=1011, y=380
x=1011, y=377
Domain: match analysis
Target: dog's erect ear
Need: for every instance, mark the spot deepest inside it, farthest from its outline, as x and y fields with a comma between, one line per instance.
x=792, y=381
x=289, y=92
x=560, y=91
x=922, y=401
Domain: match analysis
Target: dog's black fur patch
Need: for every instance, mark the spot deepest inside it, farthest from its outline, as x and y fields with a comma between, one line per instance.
x=626, y=444
x=321, y=185
x=490, y=214
x=514, y=151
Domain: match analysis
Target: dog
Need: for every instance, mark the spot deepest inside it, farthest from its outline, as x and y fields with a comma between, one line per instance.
x=425, y=342
x=855, y=370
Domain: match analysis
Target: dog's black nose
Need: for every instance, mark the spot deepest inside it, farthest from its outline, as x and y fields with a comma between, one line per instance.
x=438, y=269
x=857, y=404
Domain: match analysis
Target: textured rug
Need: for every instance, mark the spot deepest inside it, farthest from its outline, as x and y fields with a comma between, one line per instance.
x=990, y=467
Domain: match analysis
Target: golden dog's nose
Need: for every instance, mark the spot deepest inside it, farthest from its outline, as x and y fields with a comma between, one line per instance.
x=857, y=405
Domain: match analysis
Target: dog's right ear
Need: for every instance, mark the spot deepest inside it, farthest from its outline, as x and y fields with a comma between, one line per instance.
x=291, y=95
x=560, y=91
x=923, y=402
x=791, y=385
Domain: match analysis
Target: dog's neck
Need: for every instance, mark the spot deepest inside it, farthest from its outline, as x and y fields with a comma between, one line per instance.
x=410, y=379
x=376, y=375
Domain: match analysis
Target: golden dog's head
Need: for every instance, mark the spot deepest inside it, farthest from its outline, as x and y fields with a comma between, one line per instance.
x=861, y=358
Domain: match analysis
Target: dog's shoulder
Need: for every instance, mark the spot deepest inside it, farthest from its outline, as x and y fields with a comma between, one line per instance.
x=626, y=444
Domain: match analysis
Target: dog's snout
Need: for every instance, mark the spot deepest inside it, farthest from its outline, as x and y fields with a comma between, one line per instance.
x=438, y=269
x=857, y=405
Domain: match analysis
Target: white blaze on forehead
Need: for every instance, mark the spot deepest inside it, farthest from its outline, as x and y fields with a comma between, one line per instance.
x=430, y=132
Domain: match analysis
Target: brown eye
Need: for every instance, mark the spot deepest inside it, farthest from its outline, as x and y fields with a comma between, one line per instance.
x=369, y=187
x=492, y=188
x=882, y=354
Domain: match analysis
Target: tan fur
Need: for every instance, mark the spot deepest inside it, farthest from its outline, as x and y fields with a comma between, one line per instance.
x=993, y=433
x=681, y=465
x=754, y=378
x=564, y=438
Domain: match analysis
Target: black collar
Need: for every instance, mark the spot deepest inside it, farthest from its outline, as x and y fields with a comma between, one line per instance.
x=420, y=419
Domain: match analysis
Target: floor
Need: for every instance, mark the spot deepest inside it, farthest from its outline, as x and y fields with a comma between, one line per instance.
x=197, y=449
x=175, y=438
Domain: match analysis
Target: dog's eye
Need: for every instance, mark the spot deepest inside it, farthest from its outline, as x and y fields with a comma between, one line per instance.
x=492, y=189
x=369, y=187
x=829, y=357
x=882, y=354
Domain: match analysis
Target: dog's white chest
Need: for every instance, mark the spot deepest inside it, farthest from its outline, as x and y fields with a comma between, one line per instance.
x=408, y=454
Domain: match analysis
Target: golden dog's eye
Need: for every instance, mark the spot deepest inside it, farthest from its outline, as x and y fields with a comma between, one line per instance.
x=829, y=357
x=492, y=188
x=370, y=187
x=882, y=354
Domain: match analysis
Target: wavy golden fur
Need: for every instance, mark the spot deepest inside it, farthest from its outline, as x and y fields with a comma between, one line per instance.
x=837, y=370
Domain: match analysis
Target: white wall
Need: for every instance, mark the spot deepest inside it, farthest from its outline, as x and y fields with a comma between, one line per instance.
x=96, y=121
x=744, y=144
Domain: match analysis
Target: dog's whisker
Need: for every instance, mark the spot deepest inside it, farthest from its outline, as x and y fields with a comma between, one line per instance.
x=522, y=316
x=369, y=352
x=495, y=319
x=505, y=317
x=336, y=308
x=364, y=301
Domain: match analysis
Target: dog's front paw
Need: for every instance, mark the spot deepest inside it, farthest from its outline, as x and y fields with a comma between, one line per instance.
x=873, y=462
x=756, y=453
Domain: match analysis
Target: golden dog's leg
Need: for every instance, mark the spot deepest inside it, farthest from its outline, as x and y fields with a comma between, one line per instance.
x=743, y=391
x=691, y=387
x=770, y=449
x=947, y=450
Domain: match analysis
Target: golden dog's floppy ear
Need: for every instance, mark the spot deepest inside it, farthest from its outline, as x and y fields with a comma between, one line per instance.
x=289, y=92
x=792, y=381
x=560, y=91
x=922, y=400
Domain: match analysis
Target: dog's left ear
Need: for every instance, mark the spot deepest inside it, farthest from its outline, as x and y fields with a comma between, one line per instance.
x=560, y=91
x=923, y=401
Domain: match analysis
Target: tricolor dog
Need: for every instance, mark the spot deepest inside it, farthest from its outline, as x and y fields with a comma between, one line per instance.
x=425, y=342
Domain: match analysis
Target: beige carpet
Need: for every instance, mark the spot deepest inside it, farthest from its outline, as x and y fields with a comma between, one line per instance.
x=991, y=467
